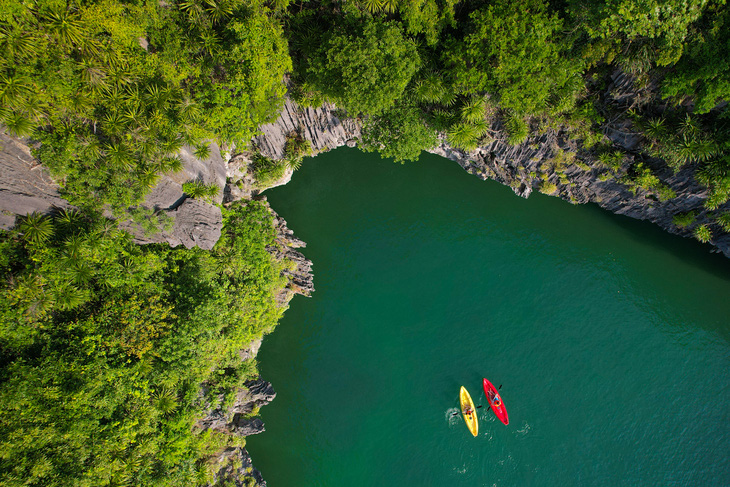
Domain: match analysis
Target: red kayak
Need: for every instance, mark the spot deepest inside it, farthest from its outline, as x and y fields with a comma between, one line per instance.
x=495, y=401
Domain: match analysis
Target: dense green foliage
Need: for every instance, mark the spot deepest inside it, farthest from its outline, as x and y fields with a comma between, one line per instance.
x=105, y=345
x=512, y=49
x=113, y=90
x=399, y=133
x=367, y=70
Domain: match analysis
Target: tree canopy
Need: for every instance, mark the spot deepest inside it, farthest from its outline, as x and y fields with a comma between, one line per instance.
x=106, y=345
x=367, y=70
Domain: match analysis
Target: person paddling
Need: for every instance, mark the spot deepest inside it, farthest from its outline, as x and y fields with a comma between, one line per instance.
x=466, y=411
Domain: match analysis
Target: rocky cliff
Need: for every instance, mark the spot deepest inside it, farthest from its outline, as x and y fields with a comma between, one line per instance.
x=551, y=162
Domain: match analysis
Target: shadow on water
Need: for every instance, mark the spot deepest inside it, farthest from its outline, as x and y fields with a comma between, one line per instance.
x=689, y=251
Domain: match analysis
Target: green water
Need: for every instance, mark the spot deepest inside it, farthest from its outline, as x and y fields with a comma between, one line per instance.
x=610, y=338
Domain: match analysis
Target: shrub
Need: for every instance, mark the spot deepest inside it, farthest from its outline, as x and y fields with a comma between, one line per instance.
x=546, y=187
x=642, y=177
x=612, y=159
x=400, y=133
x=517, y=129
x=297, y=147
x=683, y=220
x=267, y=171
x=724, y=221
x=198, y=189
x=703, y=233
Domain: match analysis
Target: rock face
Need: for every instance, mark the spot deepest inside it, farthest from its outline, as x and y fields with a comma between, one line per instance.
x=301, y=279
x=195, y=222
x=324, y=127
x=236, y=469
x=237, y=420
x=583, y=179
x=533, y=164
x=25, y=185
x=234, y=464
x=516, y=167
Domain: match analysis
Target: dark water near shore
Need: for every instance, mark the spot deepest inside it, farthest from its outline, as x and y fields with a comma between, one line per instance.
x=610, y=337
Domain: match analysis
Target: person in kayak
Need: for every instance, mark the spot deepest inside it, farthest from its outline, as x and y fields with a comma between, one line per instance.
x=466, y=411
x=496, y=400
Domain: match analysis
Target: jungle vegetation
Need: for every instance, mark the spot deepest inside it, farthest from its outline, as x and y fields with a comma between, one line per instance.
x=104, y=344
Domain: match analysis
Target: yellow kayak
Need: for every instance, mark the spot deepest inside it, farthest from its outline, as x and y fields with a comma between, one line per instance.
x=468, y=411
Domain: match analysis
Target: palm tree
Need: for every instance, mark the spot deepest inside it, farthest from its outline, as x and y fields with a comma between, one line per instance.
x=92, y=74
x=119, y=155
x=13, y=87
x=473, y=109
x=724, y=221
x=655, y=129
x=70, y=221
x=703, y=233
x=202, y=151
x=36, y=228
x=219, y=10
x=193, y=9
x=64, y=26
x=113, y=123
x=372, y=6
x=390, y=6
x=517, y=129
x=430, y=89
x=165, y=400
x=67, y=296
x=466, y=135
x=18, y=124
x=18, y=43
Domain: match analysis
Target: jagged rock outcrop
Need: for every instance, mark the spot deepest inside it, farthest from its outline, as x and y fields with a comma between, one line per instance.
x=238, y=419
x=299, y=274
x=325, y=127
x=234, y=468
x=582, y=179
x=520, y=168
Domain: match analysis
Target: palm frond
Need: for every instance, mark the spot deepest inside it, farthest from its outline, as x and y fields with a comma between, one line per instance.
x=36, y=228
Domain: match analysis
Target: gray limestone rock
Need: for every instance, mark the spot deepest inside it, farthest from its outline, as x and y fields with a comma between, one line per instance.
x=236, y=469
x=236, y=420
x=324, y=127
x=25, y=185
x=197, y=223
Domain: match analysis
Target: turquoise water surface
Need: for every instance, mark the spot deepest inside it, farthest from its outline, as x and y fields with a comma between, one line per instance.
x=610, y=338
